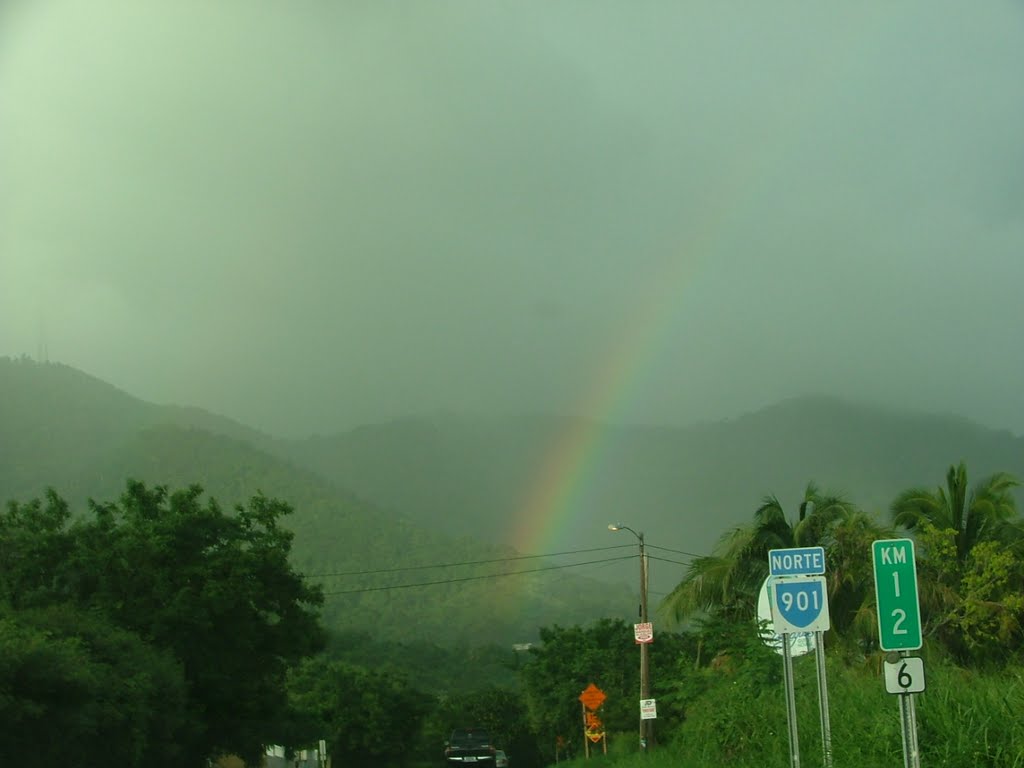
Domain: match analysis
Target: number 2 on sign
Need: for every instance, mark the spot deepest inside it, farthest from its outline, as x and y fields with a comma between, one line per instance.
x=803, y=601
x=900, y=615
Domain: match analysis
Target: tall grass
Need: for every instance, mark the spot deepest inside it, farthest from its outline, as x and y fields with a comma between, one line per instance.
x=966, y=719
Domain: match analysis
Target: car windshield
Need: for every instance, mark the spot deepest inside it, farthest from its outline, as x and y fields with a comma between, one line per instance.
x=471, y=736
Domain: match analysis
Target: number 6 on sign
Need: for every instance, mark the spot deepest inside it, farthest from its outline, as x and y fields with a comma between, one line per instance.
x=905, y=675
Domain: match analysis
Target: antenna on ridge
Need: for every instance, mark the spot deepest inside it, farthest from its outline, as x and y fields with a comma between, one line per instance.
x=42, y=345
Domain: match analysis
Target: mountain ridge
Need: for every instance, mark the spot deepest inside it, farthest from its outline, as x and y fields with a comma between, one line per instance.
x=369, y=560
x=469, y=477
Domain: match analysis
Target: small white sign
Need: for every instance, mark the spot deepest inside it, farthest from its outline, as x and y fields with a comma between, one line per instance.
x=648, y=709
x=644, y=633
x=906, y=675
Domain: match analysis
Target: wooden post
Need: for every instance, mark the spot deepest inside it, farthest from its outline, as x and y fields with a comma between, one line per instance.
x=586, y=739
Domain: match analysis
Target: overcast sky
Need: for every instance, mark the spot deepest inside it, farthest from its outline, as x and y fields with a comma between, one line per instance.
x=311, y=215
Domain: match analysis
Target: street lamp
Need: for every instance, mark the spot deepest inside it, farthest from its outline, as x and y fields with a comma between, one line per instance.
x=646, y=731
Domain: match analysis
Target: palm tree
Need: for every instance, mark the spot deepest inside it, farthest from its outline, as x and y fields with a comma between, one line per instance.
x=951, y=522
x=729, y=580
x=984, y=514
x=850, y=576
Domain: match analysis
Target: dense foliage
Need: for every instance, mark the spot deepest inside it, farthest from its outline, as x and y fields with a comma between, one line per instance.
x=77, y=690
x=160, y=630
x=169, y=622
x=722, y=694
x=970, y=564
x=605, y=654
x=367, y=717
x=60, y=427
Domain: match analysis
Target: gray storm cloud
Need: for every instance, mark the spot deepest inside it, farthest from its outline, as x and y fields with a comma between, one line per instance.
x=309, y=216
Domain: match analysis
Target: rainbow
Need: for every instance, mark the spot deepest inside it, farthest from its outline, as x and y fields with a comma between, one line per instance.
x=552, y=503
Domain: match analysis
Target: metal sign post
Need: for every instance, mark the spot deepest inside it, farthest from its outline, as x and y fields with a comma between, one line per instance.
x=826, y=725
x=904, y=676
x=787, y=674
x=908, y=727
x=899, y=631
x=799, y=601
x=915, y=746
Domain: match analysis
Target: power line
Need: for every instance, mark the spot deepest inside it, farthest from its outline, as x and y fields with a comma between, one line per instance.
x=666, y=560
x=466, y=562
x=676, y=551
x=477, y=578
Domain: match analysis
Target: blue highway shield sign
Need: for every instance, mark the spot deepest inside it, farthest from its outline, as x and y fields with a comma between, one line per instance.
x=799, y=604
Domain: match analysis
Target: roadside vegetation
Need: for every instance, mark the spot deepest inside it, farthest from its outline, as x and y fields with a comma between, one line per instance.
x=161, y=629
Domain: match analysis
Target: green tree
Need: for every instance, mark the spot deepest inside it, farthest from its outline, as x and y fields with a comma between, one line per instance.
x=214, y=590
x=75, y=690
x=569, y=659
x=981, y=513
x=729, y=580
x=501, y=711
x=975, y=609
x=34, y=548
x=970, y=568
x=368, y=718
x=990, y=612
x=850, y=577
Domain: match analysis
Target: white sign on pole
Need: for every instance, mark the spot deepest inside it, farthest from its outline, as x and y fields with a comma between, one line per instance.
x=905, y=675
x=648, y=709
x=644, y=633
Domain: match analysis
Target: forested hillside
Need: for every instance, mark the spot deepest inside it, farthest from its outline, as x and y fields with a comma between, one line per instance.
x=682, y=485
x=446, y=489
x=58, y=423
x=715, y=682
x=66, y=430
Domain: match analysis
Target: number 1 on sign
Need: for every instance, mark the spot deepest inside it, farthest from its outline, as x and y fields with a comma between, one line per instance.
x=896, y=582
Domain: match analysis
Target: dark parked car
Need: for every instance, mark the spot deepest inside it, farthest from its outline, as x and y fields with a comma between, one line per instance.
x=470, y=745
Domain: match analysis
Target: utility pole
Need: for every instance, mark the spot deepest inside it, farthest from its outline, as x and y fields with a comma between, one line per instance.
x=646, y=729
x=646, y=726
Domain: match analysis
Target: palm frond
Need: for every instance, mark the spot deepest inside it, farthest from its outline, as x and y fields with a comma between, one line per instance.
x=916, y=506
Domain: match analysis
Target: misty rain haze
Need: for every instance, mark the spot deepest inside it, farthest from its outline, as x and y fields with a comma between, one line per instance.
x=313, y=216
x=334, y=335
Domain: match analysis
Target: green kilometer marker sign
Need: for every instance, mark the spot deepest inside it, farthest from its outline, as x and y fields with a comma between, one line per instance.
x=899, y=614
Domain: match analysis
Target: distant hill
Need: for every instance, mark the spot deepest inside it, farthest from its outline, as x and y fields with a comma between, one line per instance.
x=65, y=429
x=57, y=422
x=683, y=487
x=450, y=489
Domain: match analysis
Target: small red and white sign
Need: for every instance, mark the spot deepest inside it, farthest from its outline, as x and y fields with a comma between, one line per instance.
x=644, y=633
x=648, y=709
